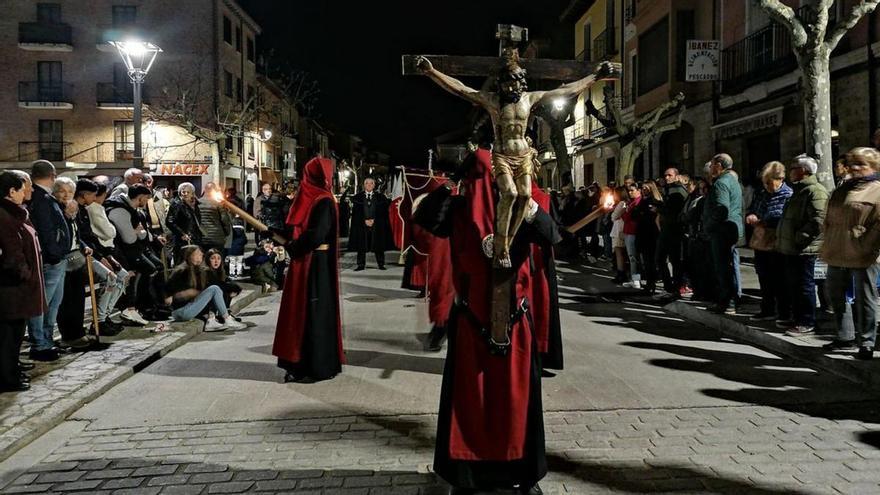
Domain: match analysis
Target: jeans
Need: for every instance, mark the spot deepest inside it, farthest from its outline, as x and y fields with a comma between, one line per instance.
x=864, y=308
x=802, y=288
x=212, y=294
x=630, y=241
x=607, y=248
x=113, y=290
x=42, y=328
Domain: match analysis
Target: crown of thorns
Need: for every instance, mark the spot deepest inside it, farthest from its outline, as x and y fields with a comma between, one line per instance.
x=512, y=70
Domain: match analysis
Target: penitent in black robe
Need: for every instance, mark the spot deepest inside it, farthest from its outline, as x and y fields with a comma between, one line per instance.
x=490, y=432
x=319, y=353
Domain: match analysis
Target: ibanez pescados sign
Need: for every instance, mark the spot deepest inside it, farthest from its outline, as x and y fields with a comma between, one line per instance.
x=703, y=60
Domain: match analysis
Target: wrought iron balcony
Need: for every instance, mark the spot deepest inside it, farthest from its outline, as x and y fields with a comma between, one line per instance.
x=44, y=35
x=112, y=95
x=42, y=94
x=760, y=56
x=604, y=46
x=42, y=150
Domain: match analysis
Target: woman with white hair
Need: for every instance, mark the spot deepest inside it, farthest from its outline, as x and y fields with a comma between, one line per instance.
x=183, y=220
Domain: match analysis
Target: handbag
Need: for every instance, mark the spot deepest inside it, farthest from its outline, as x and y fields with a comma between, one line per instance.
x=76, y=260
x=763, y=238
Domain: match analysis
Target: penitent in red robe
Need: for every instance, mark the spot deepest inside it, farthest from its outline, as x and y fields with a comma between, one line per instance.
x=490, y=431
x=308, y=336
x=545, y=296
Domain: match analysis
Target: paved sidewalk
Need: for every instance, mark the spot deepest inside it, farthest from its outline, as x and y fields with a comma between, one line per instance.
x=732, y=450
x=60, y=388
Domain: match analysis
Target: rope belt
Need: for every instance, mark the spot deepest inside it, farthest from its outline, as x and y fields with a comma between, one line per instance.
x=495, y=348
x=323, y=247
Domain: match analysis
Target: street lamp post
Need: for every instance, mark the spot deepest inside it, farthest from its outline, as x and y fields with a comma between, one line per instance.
x=138, y=57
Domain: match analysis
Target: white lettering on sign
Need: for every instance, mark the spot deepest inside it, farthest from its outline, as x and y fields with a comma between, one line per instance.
x=703, y=60
x=182, y=169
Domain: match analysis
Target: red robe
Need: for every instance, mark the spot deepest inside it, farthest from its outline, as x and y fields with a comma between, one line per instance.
x=291, y=327
x=490, y=406
x=540, y=285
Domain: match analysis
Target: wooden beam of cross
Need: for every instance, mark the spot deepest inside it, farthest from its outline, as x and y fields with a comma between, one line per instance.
x=479, y=66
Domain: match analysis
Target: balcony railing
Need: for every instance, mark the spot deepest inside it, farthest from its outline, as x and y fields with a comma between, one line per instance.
x=629, y=13
x=109, y=151
x=604, y=46
x=37, y=92
x=42, y=150
x=765, y=54
x=44, y=33
x=758, y=57
x=118, y=95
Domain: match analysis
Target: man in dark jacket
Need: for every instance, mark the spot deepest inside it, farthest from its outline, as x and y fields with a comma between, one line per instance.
x=798, y=238
x=671, y=243
x=55, y=240
x=131, y=240
x=183, y=219
x=369, y=225
x=215, y=221
x=723, y=224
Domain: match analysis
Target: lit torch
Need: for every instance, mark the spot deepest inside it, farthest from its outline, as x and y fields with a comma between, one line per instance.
x=607, y=203
x=258, y=225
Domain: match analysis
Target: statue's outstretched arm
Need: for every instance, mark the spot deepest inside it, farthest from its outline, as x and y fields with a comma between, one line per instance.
x=449, y=83
x=607, y=71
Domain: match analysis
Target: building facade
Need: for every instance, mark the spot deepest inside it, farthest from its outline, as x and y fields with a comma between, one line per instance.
x=66, y=96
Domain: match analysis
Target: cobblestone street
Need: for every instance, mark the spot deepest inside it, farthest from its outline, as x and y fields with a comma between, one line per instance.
x=647, y=403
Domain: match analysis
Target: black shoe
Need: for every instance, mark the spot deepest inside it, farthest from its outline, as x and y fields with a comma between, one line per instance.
x=865, y=354
x=382, y=267
x=545, y=373
x=722, y=309
x=435, y=342
x=26, y=366
x=840, y=345
x=535, y=490
x=46, y=355
x=360, y=269
x=18, y=387
x=289, y=377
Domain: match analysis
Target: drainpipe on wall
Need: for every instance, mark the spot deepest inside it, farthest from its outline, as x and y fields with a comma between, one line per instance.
x=872, y=75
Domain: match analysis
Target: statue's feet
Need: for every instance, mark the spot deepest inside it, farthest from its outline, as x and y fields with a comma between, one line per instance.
x=503, y=261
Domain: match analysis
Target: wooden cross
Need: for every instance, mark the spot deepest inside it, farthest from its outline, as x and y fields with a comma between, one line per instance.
x=503, y=279
x=481, y=66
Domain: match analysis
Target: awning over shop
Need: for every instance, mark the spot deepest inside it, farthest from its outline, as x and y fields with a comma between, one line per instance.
x=762, y=120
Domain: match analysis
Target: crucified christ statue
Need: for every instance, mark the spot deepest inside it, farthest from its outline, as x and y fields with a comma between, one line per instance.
x=509, y=107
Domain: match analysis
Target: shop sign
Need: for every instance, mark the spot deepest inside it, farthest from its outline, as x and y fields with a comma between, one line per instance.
x=703, y=60
x=188, y=169
x=746, y=125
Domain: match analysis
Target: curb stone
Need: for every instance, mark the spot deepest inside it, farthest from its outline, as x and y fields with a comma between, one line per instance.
x=51, y=416
x=848, y=368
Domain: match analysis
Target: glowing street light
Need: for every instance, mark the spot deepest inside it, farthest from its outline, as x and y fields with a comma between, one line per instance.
x=138, y=57
x=559, y=104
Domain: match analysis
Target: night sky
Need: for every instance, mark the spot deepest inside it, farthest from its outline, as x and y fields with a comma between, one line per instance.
x=353, y=49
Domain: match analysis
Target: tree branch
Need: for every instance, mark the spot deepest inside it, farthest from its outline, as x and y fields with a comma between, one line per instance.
x=650, y=120
x=784, y=15
x=673, y=126
x=858, y=11
x=612, y=104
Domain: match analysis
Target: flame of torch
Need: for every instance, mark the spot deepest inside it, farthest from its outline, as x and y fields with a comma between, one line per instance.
x=608, y=201
x=607, y=204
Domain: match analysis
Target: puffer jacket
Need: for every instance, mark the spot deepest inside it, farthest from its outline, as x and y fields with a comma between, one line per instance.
x=768, y=207
x=215, y=221
x=851, y=230
x=800, y=229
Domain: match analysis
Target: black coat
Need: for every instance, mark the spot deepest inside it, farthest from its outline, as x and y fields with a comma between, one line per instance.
x=51, y=224
x=357, y=239
x=183, y=219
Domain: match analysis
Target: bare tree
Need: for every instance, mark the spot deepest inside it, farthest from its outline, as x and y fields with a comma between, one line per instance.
x=812, y=41
x=636, y=136
x=557, y=122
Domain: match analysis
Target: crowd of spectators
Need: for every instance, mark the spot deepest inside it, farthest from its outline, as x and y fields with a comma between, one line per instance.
x=151, y=255
x=814, y=250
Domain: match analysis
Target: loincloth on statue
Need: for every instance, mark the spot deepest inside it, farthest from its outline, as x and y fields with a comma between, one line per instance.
x=515, y=166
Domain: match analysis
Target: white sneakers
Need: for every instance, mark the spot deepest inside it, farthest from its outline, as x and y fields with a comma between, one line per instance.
x=634, y=284
x=214, y=325
x=132, y=315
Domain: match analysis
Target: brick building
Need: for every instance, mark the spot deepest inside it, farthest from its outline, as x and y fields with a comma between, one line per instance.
x=65, y=94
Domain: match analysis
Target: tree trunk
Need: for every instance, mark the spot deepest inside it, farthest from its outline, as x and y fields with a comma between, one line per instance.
x=816, y=82
x=560, y=146
x=629, y=153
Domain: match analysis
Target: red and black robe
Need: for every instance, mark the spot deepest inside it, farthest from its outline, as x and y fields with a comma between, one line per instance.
x=308, y=337
x=545, y=296
x=490, y=431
